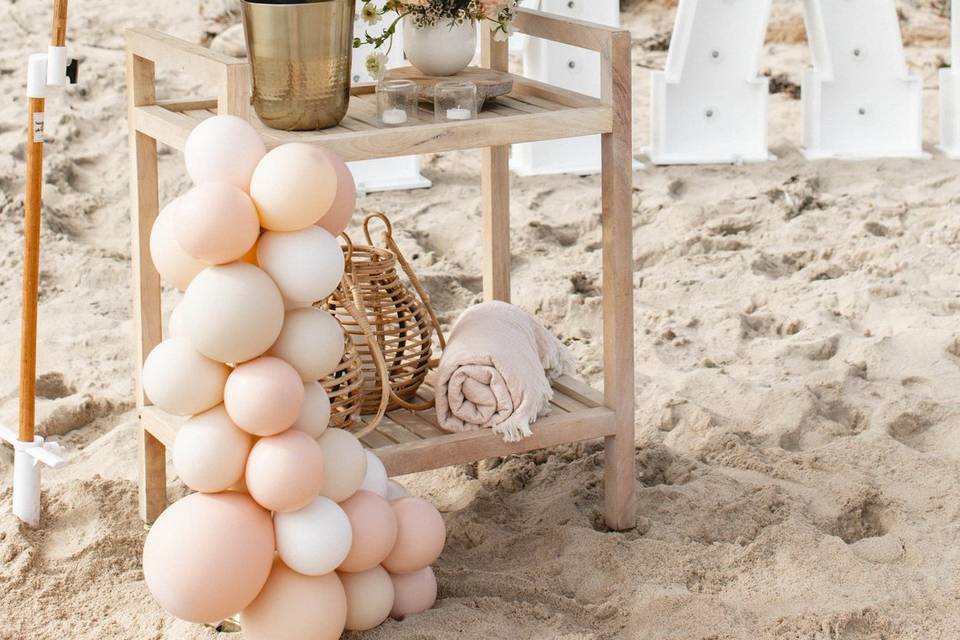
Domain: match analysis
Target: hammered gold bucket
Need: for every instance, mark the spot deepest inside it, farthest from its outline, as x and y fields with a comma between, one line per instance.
x=300, y=55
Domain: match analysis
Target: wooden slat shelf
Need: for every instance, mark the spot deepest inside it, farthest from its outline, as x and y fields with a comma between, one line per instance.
x=533, y=111
x=407, y=442
x=530, y=113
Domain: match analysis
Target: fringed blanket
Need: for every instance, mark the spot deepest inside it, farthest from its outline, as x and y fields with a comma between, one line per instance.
x=496, y=371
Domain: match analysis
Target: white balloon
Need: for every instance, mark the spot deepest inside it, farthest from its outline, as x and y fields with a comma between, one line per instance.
x=375, y=480
x=234, y=312
x=395, y=490
x=305, y=264
x=315, y=415
x=176, y=324
x=174, y=265
x=311, y=341
x=314, y=540
x=210, y=451
x=223, y=148
x=182, y=381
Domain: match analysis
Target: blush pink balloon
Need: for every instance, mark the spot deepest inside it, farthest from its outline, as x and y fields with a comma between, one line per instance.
x=216, y=223
x=285, y=472
x=374, y=527
x=413, y=592
x=369, y=598
x=208, y=555
x=296, y=607
x=337, y=218
x=264, y=396
x=421, y=534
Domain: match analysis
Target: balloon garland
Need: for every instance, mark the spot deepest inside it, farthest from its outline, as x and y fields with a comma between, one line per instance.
x=294, y=525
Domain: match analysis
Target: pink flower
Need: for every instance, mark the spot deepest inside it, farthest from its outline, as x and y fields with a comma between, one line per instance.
x=491, y=8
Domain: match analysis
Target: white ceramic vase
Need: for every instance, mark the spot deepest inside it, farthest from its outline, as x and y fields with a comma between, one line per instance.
x=441, y=50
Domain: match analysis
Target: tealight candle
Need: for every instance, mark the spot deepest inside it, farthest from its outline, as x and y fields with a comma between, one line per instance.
x=458, y=113
x=397, y=102
x=394, y=116
x=455, y=100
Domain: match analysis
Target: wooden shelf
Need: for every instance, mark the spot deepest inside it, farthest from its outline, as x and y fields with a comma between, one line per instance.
x=531, y=112
x=408, y=442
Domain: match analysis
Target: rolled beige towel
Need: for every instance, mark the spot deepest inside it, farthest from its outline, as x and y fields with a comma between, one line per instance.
x=496, y=369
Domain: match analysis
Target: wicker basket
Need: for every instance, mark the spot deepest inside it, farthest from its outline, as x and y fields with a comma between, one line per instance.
x=345, y=385
x=400, y=321
x=345, y=388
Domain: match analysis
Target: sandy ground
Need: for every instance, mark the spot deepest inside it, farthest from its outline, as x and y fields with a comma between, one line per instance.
x=799, y=374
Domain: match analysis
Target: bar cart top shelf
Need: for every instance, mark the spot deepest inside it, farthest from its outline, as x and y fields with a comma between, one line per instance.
x=532, y=111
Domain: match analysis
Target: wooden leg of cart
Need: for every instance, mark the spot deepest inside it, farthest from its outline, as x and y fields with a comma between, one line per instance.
x=495, y=189
x=144, y=207
x=618, y=370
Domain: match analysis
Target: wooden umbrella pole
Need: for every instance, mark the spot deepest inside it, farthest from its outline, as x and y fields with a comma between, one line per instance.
x=31, y=242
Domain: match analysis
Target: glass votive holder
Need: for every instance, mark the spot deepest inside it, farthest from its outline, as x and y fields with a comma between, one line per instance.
x=454, y=100
x=397, y=102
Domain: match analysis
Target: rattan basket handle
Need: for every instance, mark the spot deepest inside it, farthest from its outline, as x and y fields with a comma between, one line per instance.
x=394, y=248
x=353, y=304
x=407, y=269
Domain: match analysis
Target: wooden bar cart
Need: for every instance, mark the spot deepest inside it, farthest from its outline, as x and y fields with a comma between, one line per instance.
x=409, y=442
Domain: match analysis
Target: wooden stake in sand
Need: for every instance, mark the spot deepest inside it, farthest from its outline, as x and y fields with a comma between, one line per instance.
x=43, y=69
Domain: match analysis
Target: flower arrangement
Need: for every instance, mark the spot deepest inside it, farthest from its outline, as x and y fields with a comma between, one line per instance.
x=497, y=14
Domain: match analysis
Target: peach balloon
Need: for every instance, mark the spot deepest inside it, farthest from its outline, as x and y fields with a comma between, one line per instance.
x=175, y=266
x=216, y=223
x=210, y=452
x=413, y=592
x=264, y=396
x=293, y=606
x=285, y=472
x=312, y=341
x=305, y=264
x=345, y=463
x=315, y=415
x=293, y=186
x=250, y=257
x=337, y=218
x=223, y=148
x=180, y=380
x=208, y=555
x=421, y=534
x=374, y=527
x=369, y=598
x=234, y=312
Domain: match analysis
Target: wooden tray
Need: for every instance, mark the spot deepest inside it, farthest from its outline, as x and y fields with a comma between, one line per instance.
x=490, y=84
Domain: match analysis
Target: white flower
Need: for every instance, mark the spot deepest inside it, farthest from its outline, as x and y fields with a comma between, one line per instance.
x=501, y=35
x=369, y=13
x=376, y=65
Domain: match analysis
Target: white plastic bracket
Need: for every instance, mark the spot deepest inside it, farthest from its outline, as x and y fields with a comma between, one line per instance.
x=859, y=100
x=710, y=104
x=387, y=174
x=56, y=66
x=27, y=460
x=950, y=91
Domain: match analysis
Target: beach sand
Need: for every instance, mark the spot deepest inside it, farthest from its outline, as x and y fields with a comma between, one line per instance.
x=798, y=352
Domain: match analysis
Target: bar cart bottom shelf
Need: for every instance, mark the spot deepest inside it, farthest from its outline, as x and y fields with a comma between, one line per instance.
x=407, y=442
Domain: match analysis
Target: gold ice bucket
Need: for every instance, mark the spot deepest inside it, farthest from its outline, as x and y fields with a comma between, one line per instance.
x=300, y=55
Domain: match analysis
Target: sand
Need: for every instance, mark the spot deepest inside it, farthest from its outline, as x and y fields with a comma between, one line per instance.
x=798, y=354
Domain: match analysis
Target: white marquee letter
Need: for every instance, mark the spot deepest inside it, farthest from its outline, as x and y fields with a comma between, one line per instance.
x=859, y=99
x=709, y=105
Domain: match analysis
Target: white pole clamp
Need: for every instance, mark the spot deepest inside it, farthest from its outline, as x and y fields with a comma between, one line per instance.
x=28, y=456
